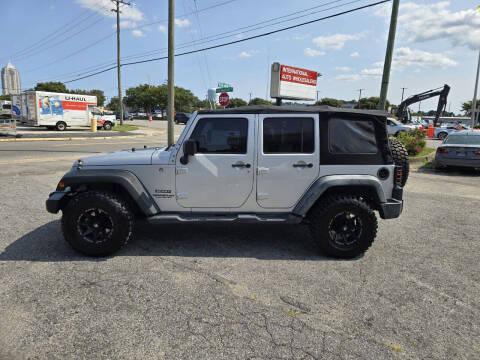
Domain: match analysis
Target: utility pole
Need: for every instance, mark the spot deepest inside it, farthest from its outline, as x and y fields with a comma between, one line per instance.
x=388, y=56
x=359, y=96
x=403, y=92
x=250, y=98
x=318, y=91
x=474, y=101
x=171, y=71
x=119, y=72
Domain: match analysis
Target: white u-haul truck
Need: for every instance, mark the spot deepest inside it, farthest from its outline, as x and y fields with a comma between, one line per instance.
x=59, y=111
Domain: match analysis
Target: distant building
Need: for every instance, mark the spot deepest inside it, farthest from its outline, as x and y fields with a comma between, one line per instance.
x=10, y=80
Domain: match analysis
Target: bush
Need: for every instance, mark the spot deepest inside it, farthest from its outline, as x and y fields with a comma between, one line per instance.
x=414, y=141
x=477, y=126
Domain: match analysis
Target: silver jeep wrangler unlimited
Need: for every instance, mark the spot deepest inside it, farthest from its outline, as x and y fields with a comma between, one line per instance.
x=326, y=167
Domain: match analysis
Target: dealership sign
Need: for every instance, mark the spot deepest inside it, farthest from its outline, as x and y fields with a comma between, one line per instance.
x=289, y=82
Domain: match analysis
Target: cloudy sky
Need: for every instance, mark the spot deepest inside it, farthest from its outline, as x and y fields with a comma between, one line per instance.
x=437, y=43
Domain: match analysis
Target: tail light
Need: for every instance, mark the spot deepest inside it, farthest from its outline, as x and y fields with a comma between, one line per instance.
x=477, y=152
x=398, y=175
x=442, y=150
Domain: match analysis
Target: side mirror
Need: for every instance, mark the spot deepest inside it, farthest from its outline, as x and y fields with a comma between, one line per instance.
x=190, y=148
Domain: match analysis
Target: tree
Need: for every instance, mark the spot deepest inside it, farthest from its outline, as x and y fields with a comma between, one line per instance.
x=330, y=102
x=185, y=101
x=371, y=103
x=53, y=86
x=114, y=105
x=236, y=102
x=142, y=96
x=202, y=104
x=259, y=101
x=5, y=97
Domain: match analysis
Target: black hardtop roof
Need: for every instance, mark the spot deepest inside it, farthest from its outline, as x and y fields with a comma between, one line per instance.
x=286, y=109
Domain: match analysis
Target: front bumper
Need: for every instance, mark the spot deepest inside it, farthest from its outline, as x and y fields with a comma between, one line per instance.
x=56, y=201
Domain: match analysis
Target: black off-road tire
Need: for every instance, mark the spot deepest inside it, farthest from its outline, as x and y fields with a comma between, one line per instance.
x=113, y=211
x=323, y=215
x=400, y=158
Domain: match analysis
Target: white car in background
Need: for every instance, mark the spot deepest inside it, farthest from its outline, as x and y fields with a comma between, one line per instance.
x=395, y=127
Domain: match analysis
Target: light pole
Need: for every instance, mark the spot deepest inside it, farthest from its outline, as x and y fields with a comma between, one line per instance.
x=474, y=101
x=388, y=56
x=359, y=96
x=119, y=72
x=171, y=71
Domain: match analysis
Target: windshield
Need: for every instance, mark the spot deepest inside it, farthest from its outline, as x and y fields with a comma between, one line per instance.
x=463, y=139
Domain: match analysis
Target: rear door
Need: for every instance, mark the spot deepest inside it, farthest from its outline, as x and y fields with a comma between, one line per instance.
x=288, y=158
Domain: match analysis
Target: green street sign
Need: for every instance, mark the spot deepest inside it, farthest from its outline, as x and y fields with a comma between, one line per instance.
x=224, y=89
x=223, y=85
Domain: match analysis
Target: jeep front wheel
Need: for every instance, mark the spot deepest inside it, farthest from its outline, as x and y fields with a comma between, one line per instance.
x=343, y=226
x=97, y=223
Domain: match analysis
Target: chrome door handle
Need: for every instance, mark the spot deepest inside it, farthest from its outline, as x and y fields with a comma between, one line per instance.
x=241, y=165
x=303, y=165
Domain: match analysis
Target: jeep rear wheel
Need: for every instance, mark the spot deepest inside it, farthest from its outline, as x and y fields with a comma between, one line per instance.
x=97, y=223
x=343, y=226
x=400, y=158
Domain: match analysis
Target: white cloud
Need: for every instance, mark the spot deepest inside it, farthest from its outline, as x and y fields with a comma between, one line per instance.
x=104, y=7
x=312, y=52
x=244, y=55
x=182, y=23
x=335, y=42
x=343, y=69
x=126, y=24
x=138, y=33
x=405, y=56
x=427, y=22
x=162, y=28
x=350, y=77
x=355, y=54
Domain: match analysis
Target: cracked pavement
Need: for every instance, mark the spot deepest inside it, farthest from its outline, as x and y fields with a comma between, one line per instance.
x=242, y=291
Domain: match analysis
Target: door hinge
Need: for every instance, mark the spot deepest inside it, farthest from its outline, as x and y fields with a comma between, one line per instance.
x=262, y=196
x=182, y=195
x=262, y=170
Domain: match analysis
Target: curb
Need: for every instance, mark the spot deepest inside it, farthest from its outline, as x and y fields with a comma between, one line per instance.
x=73, y=138
x=422, y=159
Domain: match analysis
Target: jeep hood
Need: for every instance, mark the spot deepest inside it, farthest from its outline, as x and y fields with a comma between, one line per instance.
x=123, y=157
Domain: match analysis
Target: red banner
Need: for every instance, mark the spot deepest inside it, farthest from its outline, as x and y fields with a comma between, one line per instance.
x=298, y=75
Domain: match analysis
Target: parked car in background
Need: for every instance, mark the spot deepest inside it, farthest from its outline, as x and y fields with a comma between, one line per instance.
x=395, y=127
x=181, y=118
x=126, y=116
x=459, y=149
x=442, y=132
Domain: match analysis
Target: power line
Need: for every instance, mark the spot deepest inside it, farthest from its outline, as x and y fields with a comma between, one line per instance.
x=237, y=41
x=234, y=32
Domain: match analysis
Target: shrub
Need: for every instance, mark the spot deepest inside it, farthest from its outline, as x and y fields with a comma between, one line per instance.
x=414, y=141
x=477, y=126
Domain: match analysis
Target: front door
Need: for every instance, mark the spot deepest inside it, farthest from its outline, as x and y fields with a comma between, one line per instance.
x=288, y=158
x=220, y=174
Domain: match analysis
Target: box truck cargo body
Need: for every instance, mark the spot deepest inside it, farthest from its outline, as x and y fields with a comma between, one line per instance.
x=57, y=110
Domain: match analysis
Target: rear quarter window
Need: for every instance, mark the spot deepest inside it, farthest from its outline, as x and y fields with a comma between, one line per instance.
x=348, y=136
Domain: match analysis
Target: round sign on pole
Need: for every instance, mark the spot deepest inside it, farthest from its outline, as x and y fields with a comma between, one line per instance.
x=223, y=99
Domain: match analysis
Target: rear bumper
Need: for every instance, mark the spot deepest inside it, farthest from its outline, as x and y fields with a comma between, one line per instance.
x=391, y=209
x=442, y=161
x=56, y=201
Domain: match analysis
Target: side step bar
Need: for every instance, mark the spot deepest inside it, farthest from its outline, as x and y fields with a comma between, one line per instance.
x=230, y=218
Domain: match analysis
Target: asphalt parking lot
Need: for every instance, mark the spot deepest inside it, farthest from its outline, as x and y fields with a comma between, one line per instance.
x=228, y=292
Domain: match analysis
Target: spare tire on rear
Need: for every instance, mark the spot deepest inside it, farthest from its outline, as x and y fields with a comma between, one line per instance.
x=400, y=158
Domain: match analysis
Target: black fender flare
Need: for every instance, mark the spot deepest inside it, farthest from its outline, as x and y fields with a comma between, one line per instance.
x=326, y=182
x=124, y=178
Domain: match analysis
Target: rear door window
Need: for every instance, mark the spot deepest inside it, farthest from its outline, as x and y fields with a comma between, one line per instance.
x=284, y=135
